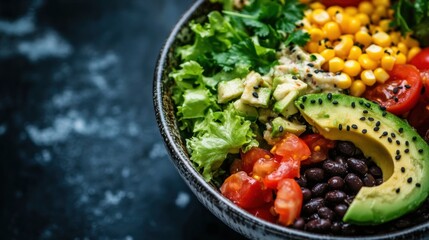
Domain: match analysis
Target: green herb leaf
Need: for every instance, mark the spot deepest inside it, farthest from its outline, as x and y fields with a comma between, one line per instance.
x=298, y=37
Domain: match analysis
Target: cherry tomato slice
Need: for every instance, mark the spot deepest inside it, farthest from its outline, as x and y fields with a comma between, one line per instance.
x=245, y=191
x=319, y=147
x=264, y=212
x=288, y=202
x=421, y=60
x=264, y=167
x=250, y=157
x=291, y=146
x=401, y=92
x=342, y=3
x=287, y=169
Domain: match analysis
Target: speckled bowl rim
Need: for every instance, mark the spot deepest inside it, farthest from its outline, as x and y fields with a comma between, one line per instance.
x=233, y=216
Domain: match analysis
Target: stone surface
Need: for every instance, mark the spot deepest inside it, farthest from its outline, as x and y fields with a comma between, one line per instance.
x=81, y=154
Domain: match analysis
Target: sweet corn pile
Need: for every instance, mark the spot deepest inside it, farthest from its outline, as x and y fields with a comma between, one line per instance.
x=357, y=41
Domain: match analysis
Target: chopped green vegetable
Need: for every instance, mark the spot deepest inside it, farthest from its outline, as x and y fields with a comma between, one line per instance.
x=217, y=135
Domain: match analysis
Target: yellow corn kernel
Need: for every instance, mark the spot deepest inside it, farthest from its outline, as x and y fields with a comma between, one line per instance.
x=343, y=81
x=321, y=47
x=381, y=75
x=395, y=37
x=333, y=10
x=375, y=18
x=336, y=64
x=403, y=48
x=316, y=34
x=380, y=11
x=343, y=20
x=366, y=62
x=384, y=3
x=401, y=58
x=375, y=52
x=342, y=49
x=317, y=5
x=332, y=30
x=363, y=38
x=410, y=42
x=388, y=51
x=320, y=16
x=357, y=88
x=328, y=54
x=368, y=77
x=413, y=52
x=354, y=53
x=352, y=11
x=387, y=62
x=353, y=26
x=312, y=47
x=382, y=39
x=352, y=68
x=363, y=18
x=366, y=8
x=384, y=24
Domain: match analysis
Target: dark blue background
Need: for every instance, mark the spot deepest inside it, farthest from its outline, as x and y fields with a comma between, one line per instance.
x=81, y=155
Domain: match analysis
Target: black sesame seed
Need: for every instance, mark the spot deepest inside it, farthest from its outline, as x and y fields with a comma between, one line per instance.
x=407, y=143
x=335, y=102
x=368, y=105
x=398, y=190
x=382, y=108
x=385, y=133
x=389, y=139
x=340, y=127
x=384, y=114
x=397, y=157
x=407, y=150
x=365, y=111
x=420, y=150
x=354, y=126
x=407, y=86
x=418, y=185
x=348, y=128
x=364, y=131
x=410, y=180
x=401, y=130
x=398, y=152
x=304, y=98
x=294, y=78
x=377, y=123
x=320, y=101
x=281, y=129
x=310, y=65
x=256, y=87
x=414, y=138
x=362, y=118
x=396, y=99
x=376, y=129
x=371, y=119
x=402, y=169
x=353, y=105
x=301, y=106
x=395, y=90
x=255, y=94
x=398, y=142
x=360, y=102
x=309, y=75
x=329, y=96
x=393, y=135
x=313, y=101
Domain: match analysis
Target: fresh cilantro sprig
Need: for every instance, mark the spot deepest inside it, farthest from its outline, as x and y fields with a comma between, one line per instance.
x=413, y=16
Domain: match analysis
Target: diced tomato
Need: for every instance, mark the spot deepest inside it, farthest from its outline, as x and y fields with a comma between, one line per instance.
x=291, y=146
x=342, y=3
x=236, y=166
x=287, y=169
x=245, y=191
x=401, y=92
x=319, y=147
x=288, y=202
x=264, y=212
x=421, y=60
x=250, y=157
x=263, y=167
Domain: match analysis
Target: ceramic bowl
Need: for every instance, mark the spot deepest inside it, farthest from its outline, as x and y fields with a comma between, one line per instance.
x=233, y=216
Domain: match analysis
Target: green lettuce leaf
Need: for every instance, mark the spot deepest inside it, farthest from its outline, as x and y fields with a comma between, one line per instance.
x=217, y=135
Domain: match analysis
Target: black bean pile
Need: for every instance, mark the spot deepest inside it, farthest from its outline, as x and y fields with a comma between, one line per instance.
x=329, y=187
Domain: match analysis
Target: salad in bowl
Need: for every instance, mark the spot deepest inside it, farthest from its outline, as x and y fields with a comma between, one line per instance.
x=310, y=115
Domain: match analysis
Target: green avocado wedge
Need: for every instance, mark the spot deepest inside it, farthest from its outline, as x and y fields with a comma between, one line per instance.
x=391, y=142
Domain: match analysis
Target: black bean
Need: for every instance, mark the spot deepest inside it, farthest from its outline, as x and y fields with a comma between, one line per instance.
x=335, y=182
x=312, y=217
x=319, y=189
x=375, y=171
x=353, y=182
x=334, y=168
x=318, y=225
x=341, y=160
x=302, y=181
x=326, y=213
x=349, y=199
x=336, y=227
x=357, y=165
x=299, y=223
x=335, y=196
x=346, y=148
x=315, y=174
x=378, y=181
x=306, y=194
x=368, y=180
x=313, y=205
x=341, y=209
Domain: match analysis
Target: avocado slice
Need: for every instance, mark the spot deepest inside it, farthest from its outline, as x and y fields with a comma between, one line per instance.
x=393, y=144
x=245, y=110
x=229, y=90
x=280, y=126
